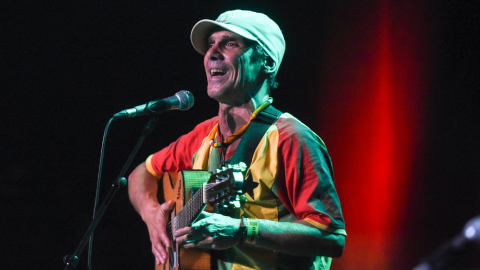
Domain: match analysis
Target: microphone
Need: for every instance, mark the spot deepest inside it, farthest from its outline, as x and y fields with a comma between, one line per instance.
x=182, y=100
x=441, y=258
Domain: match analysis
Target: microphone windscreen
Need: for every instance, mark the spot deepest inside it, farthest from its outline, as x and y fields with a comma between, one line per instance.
x=186, y=100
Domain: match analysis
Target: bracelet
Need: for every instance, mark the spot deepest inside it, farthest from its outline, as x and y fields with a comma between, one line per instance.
x=242, y=230
x=252, y=231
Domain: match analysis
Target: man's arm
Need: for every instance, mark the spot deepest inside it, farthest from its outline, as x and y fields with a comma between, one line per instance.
x=142, y=189
x=299, y=238
x=295, y=238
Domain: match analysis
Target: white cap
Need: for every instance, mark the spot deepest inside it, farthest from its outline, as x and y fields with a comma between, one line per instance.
x=250, y=25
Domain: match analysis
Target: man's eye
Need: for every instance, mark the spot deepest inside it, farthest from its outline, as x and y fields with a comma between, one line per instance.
x=231, y=44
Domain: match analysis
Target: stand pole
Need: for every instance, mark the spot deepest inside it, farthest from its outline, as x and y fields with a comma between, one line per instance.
x=71, y=261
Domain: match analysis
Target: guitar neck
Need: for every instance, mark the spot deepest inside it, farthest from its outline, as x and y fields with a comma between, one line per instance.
x=190, y=211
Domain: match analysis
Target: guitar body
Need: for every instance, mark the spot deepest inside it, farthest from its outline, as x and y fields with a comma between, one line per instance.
x=177, y=186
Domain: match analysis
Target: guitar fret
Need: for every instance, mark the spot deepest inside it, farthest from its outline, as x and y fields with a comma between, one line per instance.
x=187, y=214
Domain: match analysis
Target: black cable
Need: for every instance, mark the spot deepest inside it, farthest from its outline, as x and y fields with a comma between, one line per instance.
x=99, y=177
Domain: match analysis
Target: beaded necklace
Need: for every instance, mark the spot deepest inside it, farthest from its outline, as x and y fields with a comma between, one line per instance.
x=240, y=132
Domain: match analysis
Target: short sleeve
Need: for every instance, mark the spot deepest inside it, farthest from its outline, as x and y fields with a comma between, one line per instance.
x=304, y=181
x=179, y=154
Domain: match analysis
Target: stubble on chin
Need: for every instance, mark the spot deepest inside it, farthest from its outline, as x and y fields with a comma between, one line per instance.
x=218, y=93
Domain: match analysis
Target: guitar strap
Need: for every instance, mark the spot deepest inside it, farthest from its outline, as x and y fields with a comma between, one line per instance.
x=253, y=135
x=250, y=140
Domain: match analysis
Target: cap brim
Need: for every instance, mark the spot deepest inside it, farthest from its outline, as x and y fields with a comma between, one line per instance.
x=202, y=29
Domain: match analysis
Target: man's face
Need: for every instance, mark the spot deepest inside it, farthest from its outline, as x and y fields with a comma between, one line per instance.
x=233, y=68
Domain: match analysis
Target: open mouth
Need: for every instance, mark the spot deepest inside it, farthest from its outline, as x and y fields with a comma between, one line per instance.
x=217, y=72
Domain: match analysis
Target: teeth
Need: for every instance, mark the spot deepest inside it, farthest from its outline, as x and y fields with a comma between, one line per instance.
x=216, y=72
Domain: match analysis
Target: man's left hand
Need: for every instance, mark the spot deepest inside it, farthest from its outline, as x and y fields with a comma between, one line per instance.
x=212, y=231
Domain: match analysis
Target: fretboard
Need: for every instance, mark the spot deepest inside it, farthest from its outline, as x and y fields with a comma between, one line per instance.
x=190, y=211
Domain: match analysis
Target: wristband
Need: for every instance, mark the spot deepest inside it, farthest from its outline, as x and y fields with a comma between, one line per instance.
x=252, y=231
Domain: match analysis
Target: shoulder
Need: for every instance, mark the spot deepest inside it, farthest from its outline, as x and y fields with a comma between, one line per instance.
x=205, y=126
x=195, y=137
x=209, y=122
x=290, y=128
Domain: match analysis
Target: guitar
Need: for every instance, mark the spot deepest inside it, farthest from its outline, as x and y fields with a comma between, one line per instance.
x=210, y=190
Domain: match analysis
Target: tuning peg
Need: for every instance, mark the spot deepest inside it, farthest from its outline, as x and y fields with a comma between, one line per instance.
x=242, y=166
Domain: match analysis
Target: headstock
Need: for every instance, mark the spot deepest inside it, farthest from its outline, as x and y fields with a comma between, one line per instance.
x=224, y=184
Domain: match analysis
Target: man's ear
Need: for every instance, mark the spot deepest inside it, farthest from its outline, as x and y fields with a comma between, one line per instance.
x=269, y=67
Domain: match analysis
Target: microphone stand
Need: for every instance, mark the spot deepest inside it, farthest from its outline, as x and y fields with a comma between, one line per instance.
x=71, y=261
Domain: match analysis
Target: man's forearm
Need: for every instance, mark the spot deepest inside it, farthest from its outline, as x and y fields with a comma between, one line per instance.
x=300, y=239
x=142, y=189
x=215, y=231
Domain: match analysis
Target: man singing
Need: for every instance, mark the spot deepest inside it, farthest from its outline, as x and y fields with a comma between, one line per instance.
x=291, y=219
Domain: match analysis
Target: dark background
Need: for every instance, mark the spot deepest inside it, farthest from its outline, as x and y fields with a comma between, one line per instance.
x=68, y=66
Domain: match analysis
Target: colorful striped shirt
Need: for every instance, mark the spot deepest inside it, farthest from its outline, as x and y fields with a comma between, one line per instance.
x=295, y=176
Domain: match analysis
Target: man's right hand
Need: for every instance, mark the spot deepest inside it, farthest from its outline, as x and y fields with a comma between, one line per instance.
x=142, y=190
x=156, y=219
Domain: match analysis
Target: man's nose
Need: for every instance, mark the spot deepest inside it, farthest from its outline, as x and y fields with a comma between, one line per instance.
x=214, y=53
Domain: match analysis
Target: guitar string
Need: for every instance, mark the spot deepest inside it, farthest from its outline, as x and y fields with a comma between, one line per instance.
x=186, y=215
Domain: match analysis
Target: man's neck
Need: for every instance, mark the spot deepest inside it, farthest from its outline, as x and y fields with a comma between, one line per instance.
x=232, y=118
